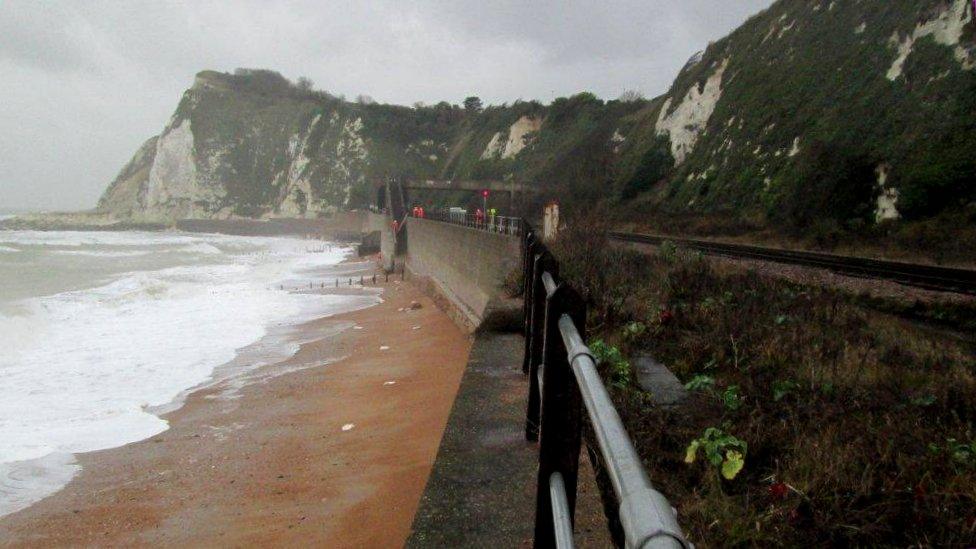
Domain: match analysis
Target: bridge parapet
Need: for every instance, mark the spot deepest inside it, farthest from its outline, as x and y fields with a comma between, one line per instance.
x=468, y=185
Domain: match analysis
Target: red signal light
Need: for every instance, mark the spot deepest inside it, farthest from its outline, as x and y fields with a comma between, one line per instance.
x=484, y=194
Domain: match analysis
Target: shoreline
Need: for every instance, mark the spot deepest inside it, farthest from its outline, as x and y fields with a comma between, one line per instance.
x=267, y=460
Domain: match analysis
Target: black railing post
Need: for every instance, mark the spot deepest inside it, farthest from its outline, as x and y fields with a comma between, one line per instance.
x=561, y=415
x=528, y=285
x=528, y=253
x=543, y=263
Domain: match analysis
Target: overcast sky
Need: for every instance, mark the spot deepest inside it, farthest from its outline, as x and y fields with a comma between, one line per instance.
x=84, y=83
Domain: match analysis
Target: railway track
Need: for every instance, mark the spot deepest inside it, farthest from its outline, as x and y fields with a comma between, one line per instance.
x=946, y=279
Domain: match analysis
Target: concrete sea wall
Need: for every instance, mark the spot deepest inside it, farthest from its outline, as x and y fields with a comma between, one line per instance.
x=381, y=223
x=467, y=267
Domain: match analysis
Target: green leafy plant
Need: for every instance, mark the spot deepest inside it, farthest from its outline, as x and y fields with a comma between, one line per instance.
x=784, y=387
x=923, y=401
x=962, y=453
x=731, y=397
x=700, y=382
x=610, y=357
x=724, y=451
x=668, y=251
x=634, y=330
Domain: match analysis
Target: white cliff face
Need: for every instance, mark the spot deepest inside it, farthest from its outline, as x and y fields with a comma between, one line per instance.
x=519, y=135
x=127, y=192
x=173, y=189
x=298, y=199
x=685, y=124
x=887, y=206
x=494, y=148
x=351, y=159
x=795, y=150
x=946, y=29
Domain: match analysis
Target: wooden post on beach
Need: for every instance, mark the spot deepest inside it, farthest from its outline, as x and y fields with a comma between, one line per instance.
x=543, y=263
x=360, y=280
x=561, y=417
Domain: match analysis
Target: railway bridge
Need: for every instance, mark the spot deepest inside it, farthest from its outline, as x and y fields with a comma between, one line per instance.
x=396, y=191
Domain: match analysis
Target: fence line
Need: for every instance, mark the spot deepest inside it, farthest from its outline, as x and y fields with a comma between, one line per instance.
x=493, y=224
x=563, y=381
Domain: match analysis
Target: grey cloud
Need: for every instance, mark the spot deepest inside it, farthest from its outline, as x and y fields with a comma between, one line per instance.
x=84, y=83
x=41, y=35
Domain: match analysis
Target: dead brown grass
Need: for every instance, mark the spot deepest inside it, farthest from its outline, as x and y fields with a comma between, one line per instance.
x=947, y=239
x=871, y=442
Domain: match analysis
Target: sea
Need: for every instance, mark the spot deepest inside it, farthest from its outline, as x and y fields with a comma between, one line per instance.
x=101, y=333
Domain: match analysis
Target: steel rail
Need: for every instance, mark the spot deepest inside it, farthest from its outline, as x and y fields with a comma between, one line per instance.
x=947, y=279
x=645, y=514
x=549, y=283
x=561, y=517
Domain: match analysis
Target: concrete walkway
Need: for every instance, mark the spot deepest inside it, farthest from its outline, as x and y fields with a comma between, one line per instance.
x=481, y=492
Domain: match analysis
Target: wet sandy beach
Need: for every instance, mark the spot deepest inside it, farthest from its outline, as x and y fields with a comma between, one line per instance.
x=333, y=452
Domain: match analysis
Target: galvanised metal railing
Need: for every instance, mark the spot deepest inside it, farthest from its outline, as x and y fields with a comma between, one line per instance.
x=491, y=223
x=563, y=380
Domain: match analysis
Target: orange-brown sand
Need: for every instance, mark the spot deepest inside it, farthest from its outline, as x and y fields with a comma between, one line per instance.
x=274, y=466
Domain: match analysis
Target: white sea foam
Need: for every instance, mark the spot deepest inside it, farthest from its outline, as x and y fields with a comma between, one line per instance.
x=103, y=253
x=91, y=369
x=8, y=249
x=202, y=248
x=102, y=238
x=25, y=482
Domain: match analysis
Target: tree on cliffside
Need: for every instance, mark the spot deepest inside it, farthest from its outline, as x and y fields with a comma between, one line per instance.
x=472, y=104
x=305, y=83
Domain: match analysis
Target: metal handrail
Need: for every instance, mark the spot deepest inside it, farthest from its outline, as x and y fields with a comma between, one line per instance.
x=647, y=517
x=498, y=224
x=549, y=283
x=554, y=319
x=562, y=518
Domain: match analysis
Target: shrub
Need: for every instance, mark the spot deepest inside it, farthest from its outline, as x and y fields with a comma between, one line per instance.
x=612, y=362
x=655, y=165
x=724, y=451
x=830, y=182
